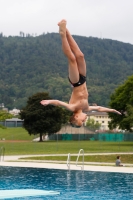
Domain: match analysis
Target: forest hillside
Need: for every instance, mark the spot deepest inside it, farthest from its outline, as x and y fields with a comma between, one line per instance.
x=34, y=64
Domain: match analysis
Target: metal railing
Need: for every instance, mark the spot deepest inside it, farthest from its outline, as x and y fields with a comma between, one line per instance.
x=2, y=153
x=68, y=161
x=82, y=166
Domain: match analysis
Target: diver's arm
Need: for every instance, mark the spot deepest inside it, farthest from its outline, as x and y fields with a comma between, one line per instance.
x=57, y=103
x=103, y=109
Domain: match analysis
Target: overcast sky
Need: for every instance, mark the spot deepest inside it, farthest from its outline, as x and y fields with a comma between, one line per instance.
x=111, y=19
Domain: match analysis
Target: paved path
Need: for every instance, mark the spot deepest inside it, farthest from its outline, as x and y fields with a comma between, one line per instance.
x=17, y=159
x=6, y=158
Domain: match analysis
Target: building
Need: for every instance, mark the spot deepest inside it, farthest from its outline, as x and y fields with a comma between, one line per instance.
x=14, y=112
x=100, y=117
x=14, y=122
x=68, y=129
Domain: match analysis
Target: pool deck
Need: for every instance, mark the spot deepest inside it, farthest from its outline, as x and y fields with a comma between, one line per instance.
x=13, y=161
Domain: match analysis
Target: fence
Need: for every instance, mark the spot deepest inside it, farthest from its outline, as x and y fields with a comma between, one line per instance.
x=94, y=137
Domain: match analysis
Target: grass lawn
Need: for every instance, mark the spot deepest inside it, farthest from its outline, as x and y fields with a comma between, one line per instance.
x=15, y=134
x=19, y=142
x=60, y=147
x=87, y=158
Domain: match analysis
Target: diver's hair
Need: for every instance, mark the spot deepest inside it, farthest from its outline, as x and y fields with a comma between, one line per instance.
x=74, y=122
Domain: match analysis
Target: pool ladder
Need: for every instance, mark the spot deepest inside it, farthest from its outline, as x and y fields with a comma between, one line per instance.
x=69, y=158
x=82, y=166
x=2, y=153
x=68, y=161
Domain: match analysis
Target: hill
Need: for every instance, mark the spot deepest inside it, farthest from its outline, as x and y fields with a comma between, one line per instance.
x=32, y=64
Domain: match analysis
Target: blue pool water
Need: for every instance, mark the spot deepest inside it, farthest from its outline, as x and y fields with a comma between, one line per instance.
x=73, y=185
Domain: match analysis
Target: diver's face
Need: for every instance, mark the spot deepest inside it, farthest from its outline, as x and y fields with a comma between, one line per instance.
x=82, y=117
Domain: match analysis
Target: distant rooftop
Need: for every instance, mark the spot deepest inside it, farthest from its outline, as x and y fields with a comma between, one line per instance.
x=94, y=113
x=14, y=119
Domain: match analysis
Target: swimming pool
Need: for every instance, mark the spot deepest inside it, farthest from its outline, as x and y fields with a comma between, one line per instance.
x=73, y=185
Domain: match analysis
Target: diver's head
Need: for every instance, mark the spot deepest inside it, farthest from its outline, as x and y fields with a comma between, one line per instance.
x=77, y=119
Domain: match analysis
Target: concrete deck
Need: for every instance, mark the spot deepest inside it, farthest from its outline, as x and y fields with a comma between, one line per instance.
x=13, y=161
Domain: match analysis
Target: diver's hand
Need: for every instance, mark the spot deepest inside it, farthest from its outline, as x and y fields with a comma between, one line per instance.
x=117, y=112
x=45, y=102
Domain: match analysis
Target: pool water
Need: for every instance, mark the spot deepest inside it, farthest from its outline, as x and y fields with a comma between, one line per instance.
x=72, y=185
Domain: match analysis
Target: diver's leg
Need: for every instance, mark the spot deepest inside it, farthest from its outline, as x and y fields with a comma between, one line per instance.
x=73, y=69
x=77, y=52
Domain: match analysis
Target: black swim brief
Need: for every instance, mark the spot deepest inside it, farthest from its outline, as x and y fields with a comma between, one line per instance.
x=82, y=80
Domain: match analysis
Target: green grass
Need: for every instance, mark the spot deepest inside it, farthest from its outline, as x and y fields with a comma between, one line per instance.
x=25, y=146
x=91, y=158
x=60, y=147
x=15, y=134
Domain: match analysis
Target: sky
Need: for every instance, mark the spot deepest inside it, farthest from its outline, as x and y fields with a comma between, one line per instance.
x=108, y=19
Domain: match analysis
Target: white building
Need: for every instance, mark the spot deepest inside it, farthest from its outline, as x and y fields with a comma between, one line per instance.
x=100, y=117
x=14, y=111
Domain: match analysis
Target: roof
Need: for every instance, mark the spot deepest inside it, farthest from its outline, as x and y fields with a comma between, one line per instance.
x=94, y=113
x=69, y=129
x=14, y=119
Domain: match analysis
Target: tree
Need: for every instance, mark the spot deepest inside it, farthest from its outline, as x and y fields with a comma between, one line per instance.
x=91, y=124
x=122, y=100
x=42, y=119
x=5, y=115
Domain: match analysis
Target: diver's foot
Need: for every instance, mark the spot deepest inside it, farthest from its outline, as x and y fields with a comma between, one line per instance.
x=62, y=27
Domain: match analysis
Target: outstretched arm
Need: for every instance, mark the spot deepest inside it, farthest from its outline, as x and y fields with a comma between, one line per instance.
x=103, y=109
x=57, y=103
